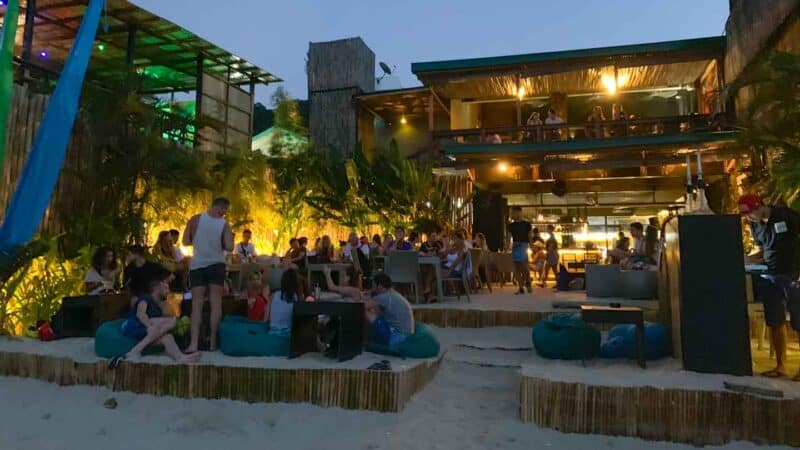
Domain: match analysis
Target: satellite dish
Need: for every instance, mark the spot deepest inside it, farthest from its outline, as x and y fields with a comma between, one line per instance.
x=385, y=68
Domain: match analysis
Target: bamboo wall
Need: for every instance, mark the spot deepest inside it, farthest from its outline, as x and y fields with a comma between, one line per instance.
x=674, y=415
x=478, y=318
x=27, y=110
x=344, y=388
x=337, y=71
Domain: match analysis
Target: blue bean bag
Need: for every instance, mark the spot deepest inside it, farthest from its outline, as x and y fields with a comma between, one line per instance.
x=621, y=342
x=565, y=336
x=421, y=344
x=240, y=337
x=110, y=342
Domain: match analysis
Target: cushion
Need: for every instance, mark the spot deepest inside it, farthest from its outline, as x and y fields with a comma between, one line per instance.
x=621, y=342
x=421, y=344
x=110, y=342
x=241, y=337
x=565, y=336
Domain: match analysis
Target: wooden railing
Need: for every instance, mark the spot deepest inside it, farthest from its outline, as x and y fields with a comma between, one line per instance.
x=583, y=131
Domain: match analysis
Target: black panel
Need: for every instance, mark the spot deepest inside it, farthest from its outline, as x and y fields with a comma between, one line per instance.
x=489, y=210
x=713, y=304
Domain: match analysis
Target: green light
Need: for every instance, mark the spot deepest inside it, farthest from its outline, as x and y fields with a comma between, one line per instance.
x=101, y=47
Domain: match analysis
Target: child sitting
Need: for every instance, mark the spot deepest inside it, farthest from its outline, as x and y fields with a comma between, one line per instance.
x=147, y=324
x=257, y=303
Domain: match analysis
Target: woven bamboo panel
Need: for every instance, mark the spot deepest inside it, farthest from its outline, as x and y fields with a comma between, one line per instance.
x=344, y=388
x=675, y=415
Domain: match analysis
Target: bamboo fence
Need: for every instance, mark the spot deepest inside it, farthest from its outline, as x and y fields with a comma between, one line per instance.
x=676, y=415
x=477, y=318
x=385, y=391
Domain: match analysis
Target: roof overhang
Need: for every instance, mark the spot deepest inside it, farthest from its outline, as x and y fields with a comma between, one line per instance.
x=165, y=53
x=410, y=102
x=573, y=71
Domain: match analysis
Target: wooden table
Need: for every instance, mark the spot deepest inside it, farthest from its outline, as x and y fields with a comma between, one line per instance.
x=631, y=315
x=436, y=262
x=350, y=332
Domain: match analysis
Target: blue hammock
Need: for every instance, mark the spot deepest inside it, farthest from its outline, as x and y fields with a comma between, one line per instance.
x=39, y=177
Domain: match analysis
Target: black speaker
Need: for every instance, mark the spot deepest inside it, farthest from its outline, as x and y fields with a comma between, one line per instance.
x=489, y=217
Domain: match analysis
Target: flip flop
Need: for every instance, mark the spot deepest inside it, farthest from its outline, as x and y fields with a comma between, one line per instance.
x=114, y=362
x=383, y=366
x=774, y=373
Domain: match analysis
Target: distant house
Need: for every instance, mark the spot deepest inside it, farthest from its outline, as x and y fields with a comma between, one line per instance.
x=277, y=137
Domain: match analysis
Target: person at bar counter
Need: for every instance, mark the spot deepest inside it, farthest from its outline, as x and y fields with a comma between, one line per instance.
x=520, y=231
x=776, y=231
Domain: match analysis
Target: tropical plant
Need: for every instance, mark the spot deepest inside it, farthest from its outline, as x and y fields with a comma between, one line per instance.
x=770, y=125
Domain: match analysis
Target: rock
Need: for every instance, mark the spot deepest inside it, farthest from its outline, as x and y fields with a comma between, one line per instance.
x=110, y=403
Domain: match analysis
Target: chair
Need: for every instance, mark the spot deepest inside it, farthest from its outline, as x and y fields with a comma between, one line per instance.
x=480, y=261
x=504, y=264
x=403, y=268
x=466, y=275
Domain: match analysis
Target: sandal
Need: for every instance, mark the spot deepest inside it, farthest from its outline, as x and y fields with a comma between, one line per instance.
x=774, y=373
x=114, y=362
x=383, y=366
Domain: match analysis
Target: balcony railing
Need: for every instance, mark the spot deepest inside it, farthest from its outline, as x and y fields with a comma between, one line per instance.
x=583, y=131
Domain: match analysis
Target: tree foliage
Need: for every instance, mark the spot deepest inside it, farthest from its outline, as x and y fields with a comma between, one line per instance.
x=771, y=124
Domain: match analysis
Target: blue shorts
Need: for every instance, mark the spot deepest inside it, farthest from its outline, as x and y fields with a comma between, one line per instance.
x=382, y=333
x=133, y=329
x=519, y=252
x=779, y=293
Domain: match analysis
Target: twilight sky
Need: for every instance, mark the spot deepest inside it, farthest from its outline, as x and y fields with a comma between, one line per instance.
x=275, y=34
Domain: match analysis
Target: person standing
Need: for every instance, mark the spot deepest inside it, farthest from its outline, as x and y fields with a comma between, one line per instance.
x=776, y=231
x=551, y=249
x=520, y=231
x=210, y=236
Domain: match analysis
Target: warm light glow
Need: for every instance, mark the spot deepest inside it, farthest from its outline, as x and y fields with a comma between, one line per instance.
x=502, y=167
x=610, y=85
x=403, y=120
x=521, y=92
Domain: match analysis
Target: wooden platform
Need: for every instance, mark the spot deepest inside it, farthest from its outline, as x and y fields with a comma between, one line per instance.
x=504, y=309
x=334, y=386
x=673, y=407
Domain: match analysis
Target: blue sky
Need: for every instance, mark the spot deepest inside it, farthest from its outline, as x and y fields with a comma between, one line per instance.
x=275, y=34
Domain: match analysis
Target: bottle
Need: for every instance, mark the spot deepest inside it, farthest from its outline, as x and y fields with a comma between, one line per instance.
x=317, y=291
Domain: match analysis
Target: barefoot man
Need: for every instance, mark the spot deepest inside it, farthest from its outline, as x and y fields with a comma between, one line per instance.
x=776, y=231
x=210, y=236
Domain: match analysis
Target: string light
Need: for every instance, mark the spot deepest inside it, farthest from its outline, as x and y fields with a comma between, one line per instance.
x=43, y=54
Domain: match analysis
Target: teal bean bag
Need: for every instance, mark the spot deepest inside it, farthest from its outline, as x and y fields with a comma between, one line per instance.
x=240, y=337
x=621, y=342
x=565, y=336
x=421, y=344
x=110, y=342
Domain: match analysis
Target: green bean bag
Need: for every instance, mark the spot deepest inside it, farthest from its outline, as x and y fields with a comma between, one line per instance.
x=421, y=344
x=240, y=337
x=110, y=342
x=565, y=336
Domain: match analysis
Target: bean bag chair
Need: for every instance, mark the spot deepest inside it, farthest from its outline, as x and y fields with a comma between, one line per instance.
x=621, y=342
x=421, y=344
x=240, y=337
x=109, y=341
x=565, y=336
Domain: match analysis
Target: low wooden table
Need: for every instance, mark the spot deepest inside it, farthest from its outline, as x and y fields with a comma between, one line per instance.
x=625, y=315
x=350, y=333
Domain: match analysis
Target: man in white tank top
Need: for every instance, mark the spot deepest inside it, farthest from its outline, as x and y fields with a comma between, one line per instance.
x=210, y=236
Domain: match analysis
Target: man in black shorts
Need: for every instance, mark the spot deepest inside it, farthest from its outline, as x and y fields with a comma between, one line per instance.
x=520, y=231
x=776, y=230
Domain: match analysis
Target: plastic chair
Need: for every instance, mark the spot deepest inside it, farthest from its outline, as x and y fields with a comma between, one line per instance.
x=403, y=268
x=466, y=275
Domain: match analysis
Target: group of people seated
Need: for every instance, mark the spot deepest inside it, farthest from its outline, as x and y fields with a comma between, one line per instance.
x=644, y=251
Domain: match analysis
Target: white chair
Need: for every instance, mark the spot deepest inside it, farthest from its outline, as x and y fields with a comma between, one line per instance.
x=464, y=278
x=403, y=268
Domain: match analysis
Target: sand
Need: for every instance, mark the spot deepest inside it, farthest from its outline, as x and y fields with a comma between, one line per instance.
x=466, y=406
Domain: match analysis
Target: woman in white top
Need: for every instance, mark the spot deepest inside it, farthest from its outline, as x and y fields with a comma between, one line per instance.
x=103, y=275
x=454, y=260
x=282, y=305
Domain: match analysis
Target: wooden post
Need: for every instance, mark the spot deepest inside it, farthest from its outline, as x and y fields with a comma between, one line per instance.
x=198, y=107
x=27, y=37
x=130, y=50
x=431, y=105
x=252, y=105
